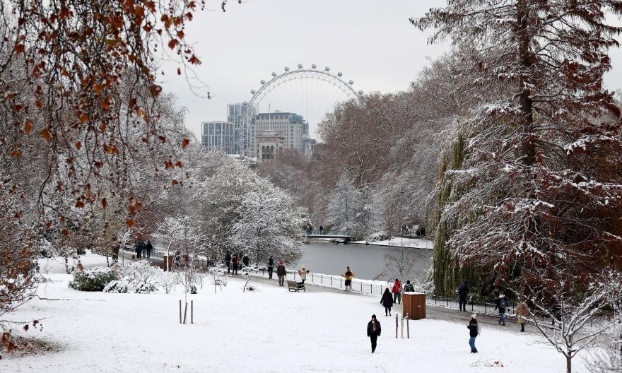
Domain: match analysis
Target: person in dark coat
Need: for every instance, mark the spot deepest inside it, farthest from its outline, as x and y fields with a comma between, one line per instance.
x=387, y=302
x=280, y=272
x=270, y=267
x=149, y=248
x=245, y=260
x=409, y=287
x=373, y=331
x=228, y=261
x=138, y=248
x=473, y=332
x=463, y=291
x=502, y=304
x=234, y=264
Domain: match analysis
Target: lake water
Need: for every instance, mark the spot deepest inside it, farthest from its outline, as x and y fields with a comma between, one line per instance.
x=367, y=261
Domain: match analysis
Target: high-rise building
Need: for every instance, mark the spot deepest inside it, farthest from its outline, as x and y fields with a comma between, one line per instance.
x=238, y=114
x=219, y=136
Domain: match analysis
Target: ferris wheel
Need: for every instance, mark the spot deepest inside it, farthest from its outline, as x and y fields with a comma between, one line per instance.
x=309, y=92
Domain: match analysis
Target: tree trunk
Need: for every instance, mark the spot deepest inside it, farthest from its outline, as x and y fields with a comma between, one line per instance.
x=568, y=364
x=528, y=147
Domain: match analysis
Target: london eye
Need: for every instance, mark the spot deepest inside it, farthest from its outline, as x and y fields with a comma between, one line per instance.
x=309, y=92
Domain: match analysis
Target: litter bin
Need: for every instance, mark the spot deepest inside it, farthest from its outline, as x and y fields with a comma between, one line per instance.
x=413, y=304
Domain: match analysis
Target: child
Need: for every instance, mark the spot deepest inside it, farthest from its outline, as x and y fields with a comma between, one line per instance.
x=473, y=332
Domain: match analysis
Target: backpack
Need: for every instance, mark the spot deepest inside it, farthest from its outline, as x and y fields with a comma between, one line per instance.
x=503, y=303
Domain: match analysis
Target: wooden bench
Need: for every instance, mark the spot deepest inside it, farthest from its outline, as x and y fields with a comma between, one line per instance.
x=295, y=286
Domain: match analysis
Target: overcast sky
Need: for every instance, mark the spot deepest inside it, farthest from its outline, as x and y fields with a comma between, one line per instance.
x=370, y=41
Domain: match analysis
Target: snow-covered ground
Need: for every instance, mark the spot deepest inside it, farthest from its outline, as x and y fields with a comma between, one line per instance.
x=265, y=330
x=417, y=243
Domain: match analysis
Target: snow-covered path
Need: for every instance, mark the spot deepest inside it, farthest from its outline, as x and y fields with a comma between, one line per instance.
x=266, y=330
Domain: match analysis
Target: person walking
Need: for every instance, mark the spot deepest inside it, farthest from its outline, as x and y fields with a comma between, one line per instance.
x=502, y=304
x=138, y=248
x=245, y=260
x=234, y=264
x=522, y=311
x=473, y=332
x=463, y=291
x=149, y=248
x=348, y=276
x=228, y=261
x=270, y=267
x=409, y=287
x=280, y=272
x=302, y=272
x=373, y=331
x=387, y=301
x=321, y=230
x=397, y=291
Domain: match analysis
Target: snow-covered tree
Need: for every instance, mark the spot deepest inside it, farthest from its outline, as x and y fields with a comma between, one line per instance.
x=535, y=197
x=582, y=318
x=535, y=183
x=344, y=206
x=18, y=269
x=241, y=210
x=269, y=224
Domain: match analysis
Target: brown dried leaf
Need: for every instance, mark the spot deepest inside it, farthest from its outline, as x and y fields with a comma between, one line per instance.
x=45, y=134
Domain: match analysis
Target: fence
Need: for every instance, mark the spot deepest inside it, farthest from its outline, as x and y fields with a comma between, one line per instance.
x=365, y=287
x=369, y=287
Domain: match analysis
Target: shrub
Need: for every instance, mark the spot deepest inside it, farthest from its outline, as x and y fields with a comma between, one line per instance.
x=146, y=288
x=116, y=287
x=94, y=279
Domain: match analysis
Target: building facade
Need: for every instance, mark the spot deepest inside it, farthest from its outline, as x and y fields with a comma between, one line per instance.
x=219, y=136
x=292, y=127
x=237, y=114
x=269, y=144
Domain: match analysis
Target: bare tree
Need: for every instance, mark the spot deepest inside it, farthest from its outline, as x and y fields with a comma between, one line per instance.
x=399, y=264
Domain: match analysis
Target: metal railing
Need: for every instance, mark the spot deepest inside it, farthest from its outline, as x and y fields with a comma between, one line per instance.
x=360, y=286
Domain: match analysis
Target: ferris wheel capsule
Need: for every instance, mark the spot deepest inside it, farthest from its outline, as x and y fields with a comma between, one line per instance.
x=351, y=82
x=339, y=74
x=327, y=69
x=286, y=68
x=252, y=91
x=313, y=66
x=300, y=66
x=263, y=81
x=360, y=93
x=273, y=74
x=244, y=103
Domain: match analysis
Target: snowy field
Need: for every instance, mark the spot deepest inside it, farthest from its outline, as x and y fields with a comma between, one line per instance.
x=266, y=330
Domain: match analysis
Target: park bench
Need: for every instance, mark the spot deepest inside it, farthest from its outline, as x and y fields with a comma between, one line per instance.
x=295, y=286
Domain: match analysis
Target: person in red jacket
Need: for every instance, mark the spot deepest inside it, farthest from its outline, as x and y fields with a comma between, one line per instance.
x=397, y=291
x=234, y=264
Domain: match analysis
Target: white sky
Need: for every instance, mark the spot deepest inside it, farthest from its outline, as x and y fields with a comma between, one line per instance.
x=266, y=330
x=370, y=41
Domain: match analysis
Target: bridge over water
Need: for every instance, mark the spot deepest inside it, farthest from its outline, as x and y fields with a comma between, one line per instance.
x=329, y=235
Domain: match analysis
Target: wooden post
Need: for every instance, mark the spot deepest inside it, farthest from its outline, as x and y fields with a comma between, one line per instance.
x=180, y=311
x=192, y=312
x=396, y=324
x=185, y=312
x=407, y=326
